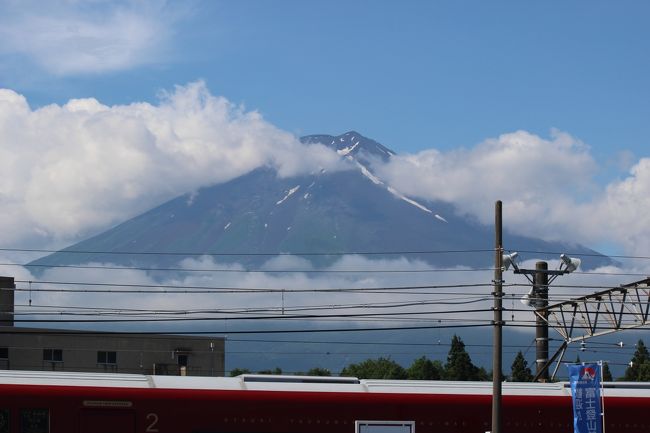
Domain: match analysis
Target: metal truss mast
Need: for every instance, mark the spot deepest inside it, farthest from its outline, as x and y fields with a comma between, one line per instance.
x=601, y=313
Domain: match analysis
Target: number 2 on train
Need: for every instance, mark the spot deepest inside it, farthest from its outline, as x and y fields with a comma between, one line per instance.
x=152, y=418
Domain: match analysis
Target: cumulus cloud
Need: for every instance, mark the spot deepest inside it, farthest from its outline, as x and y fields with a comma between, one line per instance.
x=71, y=37
x=76, y=167
x=620, y=214
x=268, y=292
x=329, y=291
x=548, y=188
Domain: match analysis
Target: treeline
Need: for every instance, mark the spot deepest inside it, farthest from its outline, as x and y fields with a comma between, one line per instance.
x=459, y=366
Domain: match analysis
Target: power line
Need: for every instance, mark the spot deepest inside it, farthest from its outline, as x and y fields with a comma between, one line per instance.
x=233, y=254
x=263, y=271
x=259, y=331
x=125, y=311
x=529, y=324
x=266, y=317
x=224, y=289
x=326, y=253
x=557, y=253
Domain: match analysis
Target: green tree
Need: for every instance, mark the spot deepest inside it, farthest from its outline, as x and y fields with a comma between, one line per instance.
x=318, y=371
x=519, y=369
x=276, y=370
x=459, y=364
x=382, y=368
x=483, y=374
x=425, y=369
x=636, y=371
x=237, y=371
x=607, y=374
x=644, y=372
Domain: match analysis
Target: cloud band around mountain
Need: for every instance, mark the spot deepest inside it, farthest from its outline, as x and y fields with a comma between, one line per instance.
x=74, y=168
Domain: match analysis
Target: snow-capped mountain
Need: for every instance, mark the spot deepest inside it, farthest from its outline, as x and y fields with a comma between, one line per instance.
x=352, y=144
x=327, y=212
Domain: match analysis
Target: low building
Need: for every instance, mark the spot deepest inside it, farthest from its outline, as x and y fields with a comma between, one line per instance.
x=24, y=348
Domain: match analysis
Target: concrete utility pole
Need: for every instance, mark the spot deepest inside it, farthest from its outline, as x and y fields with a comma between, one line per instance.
x=541, y=320
x=498, y=323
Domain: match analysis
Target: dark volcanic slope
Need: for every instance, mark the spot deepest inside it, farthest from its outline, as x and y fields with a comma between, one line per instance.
x=337, y=212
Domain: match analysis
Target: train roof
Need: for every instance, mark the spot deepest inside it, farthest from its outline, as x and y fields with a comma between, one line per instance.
x=305, y=384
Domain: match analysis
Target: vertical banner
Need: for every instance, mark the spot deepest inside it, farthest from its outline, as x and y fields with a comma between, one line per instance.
x=585, y=390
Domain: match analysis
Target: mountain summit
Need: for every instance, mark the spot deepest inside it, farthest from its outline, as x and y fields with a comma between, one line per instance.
x=351, y=144
x=257, y=215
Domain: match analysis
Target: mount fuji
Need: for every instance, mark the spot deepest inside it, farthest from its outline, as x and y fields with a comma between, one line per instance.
x=320, y=215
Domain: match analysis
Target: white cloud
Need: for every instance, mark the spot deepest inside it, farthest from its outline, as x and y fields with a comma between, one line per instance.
x=548, y=188
x=292, y=289
x=74, y=37
x=80, y=166
x=299, y=289
x=620, y=214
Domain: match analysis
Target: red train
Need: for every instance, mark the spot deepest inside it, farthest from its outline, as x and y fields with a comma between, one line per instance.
x=44, y=402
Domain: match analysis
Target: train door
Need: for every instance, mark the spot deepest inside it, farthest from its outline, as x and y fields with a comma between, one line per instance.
x=106, y=421
x=384, y=427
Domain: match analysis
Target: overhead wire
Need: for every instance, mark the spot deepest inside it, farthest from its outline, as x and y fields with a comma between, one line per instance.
x=251, y=254
x=250, y=271
x=271, y=331
x=248, y=331
x=249, y=289
x=113, y=310
x=375, y=317
x=264, y=317
x=325, y=253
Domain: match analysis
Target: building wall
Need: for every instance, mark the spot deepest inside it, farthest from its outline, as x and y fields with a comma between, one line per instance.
x=146, y=354
x=7, y=287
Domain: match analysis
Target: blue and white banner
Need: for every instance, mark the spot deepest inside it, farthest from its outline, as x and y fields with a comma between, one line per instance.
x=585, y=390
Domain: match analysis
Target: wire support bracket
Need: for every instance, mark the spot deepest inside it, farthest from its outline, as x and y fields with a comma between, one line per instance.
x=601, y=313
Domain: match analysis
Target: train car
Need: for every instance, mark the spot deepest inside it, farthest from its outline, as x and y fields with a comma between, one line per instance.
x=65, y=402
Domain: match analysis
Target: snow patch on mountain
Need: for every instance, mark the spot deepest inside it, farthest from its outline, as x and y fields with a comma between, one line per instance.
x=289, y=194
x=346, y=150
x=392, y=190
x=191, y=197
x=367, y=172
x=408, y=200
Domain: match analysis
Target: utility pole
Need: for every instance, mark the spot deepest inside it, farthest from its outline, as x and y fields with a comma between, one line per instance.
x=541, y=320
x=538, y=298
x=498, y=323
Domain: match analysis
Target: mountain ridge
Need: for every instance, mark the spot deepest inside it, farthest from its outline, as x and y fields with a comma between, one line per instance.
x=255, y=216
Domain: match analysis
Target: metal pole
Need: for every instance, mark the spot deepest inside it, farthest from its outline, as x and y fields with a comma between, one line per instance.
x=212, y=360
x=498, y=323
x=541, y=320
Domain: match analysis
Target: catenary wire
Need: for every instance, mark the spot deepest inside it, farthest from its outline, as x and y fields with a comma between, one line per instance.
x=305, y=253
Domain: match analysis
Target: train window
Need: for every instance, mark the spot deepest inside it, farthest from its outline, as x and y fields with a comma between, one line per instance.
x=4, y=353
x=34, y=421
x=53, y=355
x=384, y=426
x=4, y=421
x=106, y=357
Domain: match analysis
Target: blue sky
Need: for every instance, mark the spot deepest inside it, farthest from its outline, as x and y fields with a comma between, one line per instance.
x=541, y=104
x=413, y=75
